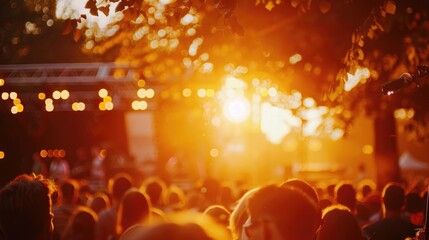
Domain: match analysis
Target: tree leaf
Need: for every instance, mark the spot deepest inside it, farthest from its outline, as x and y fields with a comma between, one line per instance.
x=120, y=6
x=269, y=6
x=235, y=26
x=227, y=7
x=360, y=54
x=77, y=34
x=91, y=4
x=129, y=3
x=105, y=10
x=70, y=26
x=295, y=3
x=324, y=6
x=94, y=11
x=371, y=34
x=390, y=7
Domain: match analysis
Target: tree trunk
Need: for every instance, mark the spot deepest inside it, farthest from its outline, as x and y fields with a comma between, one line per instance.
x=386, y=150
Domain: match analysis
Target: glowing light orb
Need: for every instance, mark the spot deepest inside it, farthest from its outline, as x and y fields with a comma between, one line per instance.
x=236, y=110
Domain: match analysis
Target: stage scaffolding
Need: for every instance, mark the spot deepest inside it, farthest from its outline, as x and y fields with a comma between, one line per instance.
x=82, y=80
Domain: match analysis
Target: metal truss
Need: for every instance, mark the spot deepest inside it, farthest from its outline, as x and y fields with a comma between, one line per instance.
x=82, y=80
x=69, y=73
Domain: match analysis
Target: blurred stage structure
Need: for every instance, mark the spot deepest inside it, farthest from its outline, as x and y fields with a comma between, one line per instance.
x=81, y=80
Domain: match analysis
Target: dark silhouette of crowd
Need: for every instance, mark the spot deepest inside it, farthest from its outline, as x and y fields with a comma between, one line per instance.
x=37, y=207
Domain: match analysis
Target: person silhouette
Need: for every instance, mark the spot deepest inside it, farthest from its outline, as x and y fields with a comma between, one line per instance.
x=26, y=208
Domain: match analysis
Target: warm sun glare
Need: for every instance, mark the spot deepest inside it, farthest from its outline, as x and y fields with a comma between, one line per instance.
x=67, y=9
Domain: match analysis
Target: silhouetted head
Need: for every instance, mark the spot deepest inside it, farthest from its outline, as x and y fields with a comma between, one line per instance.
x=26, y=208
x=304, y=187
x=120, y=184
x=219, y=214
x=345, y=194
x=239, y=216
x=413, y=202
x=155, y=188
x=99, y=202
x=338, y=223
x=133, y=209
x=82, y=224
x=282, y=213
x=393, y=196
x=188, y=231
x=69, y=191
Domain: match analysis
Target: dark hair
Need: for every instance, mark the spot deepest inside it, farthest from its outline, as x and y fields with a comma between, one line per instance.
x=99, y=202
x=155, y=188
x=339, y=223
x=219, y=214
x=413, y=202
x=69, y=190
x=345, y=194
x=304, y=187
x=294, y=214
x=81, y=224
x=134, y=208
x=121, y=183
x=393, y=196
x=190, y=231
x=25, y=208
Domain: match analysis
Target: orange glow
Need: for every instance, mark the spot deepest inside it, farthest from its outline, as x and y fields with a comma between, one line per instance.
x=186, y=92
x=103, y=153
x=55, y=153
x=102, y=106
x=14, y=110
x=61, y=153
x=50, y=153
x=314, y=145
x=1, y=82
x=214, y=152
x=210, y=93
x=49, y=108
x=81, y=106
x=337, y=134
x=273, y=122
x=141, y=83
x=295, y=59
x=290, y=145
x=20, y=107
x=109, y=106
x=107, y=99
x=43, y=153
x=236, y=110
x=201, y=92
x=75, y=106
x=65, y=94
x=367, y=149
x=56, y=95
x=141, y=93
x=150, y=93
x=41, y=96
x=361, y=74
x=13, y=95
x=73, y=9
x=102, y=93
x=49, y=101
x=5, y=96
x=2, y=155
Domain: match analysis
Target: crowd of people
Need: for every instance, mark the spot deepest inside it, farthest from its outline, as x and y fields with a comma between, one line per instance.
x=34, y=206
